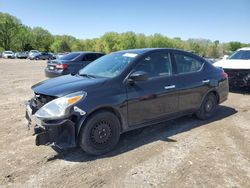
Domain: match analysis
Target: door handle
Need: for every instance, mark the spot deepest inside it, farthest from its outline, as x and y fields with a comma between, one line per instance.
x=205, y=81
x=169, y=87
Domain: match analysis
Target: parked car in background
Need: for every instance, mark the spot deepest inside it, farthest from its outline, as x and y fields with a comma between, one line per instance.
x=237, y=66
x=70, y=63
x=120, y=92
x=8, y=54
x=32, y=54
x=53, y=55
x=21, y=55
x=42, y=56
x=59, y=55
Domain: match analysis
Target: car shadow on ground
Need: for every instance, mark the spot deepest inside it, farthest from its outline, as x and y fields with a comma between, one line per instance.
x=136, y=138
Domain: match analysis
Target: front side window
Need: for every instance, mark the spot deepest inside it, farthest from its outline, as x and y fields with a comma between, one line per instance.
x=187, y=64
x=156, y=64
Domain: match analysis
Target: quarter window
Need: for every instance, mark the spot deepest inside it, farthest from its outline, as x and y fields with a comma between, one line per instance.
x=186, y=64
x=156, y=64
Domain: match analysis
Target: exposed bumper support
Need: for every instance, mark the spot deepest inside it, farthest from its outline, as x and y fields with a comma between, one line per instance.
x=59, y=133
x=238, y=78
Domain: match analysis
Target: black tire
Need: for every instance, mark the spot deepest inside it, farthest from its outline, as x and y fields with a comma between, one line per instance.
x=208, y=107
x=100, y=133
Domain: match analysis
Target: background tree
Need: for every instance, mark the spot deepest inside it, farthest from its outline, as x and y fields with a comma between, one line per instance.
x=24, y=39
x=9, y=27
x=234, y=46
x=110, y=42
x=41, y=39
x=18, y=37
x=60, y=46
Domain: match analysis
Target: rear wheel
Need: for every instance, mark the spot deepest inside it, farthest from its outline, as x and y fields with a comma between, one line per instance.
x=208, y=107
x=100, y=134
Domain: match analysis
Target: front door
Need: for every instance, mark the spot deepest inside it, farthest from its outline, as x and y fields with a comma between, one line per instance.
x=155, y=97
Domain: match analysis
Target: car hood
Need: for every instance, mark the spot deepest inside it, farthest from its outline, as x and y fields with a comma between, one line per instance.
x=64, y=85
x=233, y=64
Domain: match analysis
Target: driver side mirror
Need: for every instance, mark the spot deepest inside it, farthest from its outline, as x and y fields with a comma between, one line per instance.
x=138, y=76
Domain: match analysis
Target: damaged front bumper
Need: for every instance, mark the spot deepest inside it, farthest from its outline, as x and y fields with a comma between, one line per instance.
x=58, y=133
x=238, y=77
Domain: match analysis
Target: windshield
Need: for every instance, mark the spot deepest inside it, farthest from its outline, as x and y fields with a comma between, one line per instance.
x=109, y=65
x=8, y=52
x=69, y=56
x=242, y=54
x=34, y=51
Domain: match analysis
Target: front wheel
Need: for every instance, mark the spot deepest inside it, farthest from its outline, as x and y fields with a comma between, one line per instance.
x=100, y=133
x=208, y=107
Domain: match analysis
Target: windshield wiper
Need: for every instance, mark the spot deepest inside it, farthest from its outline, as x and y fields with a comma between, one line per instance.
x=87, y=75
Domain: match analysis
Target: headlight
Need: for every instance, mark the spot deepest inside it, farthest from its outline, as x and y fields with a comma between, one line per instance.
x=59, y=108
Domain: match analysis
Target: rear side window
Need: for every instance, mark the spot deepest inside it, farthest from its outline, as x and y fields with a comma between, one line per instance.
x=99, y=55
x=187, y=64
x=90, y=57
x=156, y=64
x=69, y=56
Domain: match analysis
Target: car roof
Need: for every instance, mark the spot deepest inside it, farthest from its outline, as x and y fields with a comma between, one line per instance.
x=144, y=50
x=87, y=52
x=245, y=48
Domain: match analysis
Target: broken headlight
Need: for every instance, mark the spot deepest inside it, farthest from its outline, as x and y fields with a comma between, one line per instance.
x=59, y=107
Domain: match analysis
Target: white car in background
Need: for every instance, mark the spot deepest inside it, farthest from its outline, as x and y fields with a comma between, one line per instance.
x=237, y=66
x=33, y=53
x=8, y=54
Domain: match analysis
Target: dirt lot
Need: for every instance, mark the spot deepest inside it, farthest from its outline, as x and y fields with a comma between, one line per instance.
x=182, y=153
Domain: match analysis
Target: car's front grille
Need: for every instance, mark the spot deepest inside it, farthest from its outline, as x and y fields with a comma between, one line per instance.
x=238, y=77
x=39, y=100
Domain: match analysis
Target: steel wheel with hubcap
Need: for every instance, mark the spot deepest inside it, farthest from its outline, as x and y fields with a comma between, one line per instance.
x=100, y=133
x=208, y=107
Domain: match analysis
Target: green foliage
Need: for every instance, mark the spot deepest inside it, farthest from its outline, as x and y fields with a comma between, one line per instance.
x=24, y=39
x=9, y=28
x=233, y=46
x=18, y=37
x=60, y=46
x=42, y=39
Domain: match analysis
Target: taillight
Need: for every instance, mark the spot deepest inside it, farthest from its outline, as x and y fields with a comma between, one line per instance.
x=224, y=75
x=62, y=66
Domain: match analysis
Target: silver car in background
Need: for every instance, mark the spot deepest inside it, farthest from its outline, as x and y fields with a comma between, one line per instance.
x=8, y=54
x=33, y=53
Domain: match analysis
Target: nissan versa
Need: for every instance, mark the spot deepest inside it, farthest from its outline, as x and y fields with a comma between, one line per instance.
x=122, y=91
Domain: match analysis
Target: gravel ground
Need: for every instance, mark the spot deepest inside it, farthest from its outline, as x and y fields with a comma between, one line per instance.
x=180, y=153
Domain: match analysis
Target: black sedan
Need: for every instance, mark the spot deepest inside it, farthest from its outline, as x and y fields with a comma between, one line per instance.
x=70, y=63
x=123, y=91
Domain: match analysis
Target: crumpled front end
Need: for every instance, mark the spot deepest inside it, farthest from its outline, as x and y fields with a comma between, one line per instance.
x=238, y=78
x=59, y=133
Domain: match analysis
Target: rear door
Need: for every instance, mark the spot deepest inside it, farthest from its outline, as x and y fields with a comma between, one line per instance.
x=193, y=81
x=156, y=97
